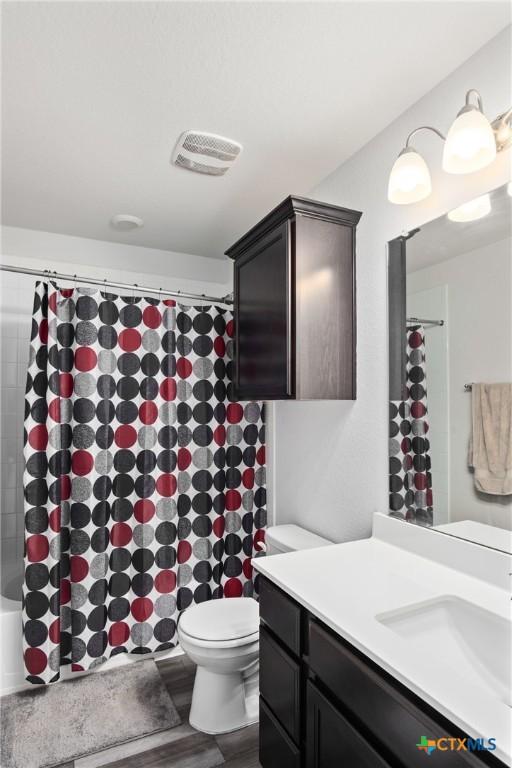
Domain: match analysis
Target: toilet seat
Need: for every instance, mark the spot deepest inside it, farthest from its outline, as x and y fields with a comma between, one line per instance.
x=218, y=644
x=227, y=622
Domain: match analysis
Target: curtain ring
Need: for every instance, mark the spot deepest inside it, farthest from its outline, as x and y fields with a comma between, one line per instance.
x=160, y=293
x=74, y=278
x=135, y=285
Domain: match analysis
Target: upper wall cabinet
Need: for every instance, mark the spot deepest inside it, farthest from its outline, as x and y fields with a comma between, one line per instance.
x=295, y=304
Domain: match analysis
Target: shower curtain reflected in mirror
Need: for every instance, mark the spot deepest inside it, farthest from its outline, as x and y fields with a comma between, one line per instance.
x=410, y=492
x=144, y=479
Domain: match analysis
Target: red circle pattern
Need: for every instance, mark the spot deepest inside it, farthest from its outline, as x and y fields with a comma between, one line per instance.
x=410, y=477
x=142, y=494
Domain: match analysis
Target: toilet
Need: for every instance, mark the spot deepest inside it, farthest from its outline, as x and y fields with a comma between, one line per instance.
x=222, y=638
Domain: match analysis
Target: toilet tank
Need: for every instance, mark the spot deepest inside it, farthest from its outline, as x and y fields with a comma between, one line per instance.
x=291, y=538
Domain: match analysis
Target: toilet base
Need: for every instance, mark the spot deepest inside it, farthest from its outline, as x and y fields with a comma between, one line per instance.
x=245, y=724
x=224, y=702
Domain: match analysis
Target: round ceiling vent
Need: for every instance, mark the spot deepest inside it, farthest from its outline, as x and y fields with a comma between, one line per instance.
x=124, y=222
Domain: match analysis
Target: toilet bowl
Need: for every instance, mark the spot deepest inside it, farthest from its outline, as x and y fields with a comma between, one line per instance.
x=222, y=638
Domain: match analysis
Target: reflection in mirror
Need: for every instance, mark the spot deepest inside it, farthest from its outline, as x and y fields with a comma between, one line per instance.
x=450, y=324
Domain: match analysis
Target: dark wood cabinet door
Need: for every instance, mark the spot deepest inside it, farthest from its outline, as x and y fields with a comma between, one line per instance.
x=276, y=748
x=332, y=741
x=281, y=614
x=263, y=318
x=280, y=684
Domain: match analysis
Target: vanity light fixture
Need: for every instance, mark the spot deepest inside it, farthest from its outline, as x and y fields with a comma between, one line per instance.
x=472, y=210
x=409, y=180
x=471, y=144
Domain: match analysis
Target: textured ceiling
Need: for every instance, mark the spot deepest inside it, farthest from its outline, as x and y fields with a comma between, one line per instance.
x=95, y=95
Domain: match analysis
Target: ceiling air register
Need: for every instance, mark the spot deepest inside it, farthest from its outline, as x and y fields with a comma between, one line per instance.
x=205, y=153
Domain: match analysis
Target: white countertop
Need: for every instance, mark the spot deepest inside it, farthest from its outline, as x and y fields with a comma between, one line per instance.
x=347, y=585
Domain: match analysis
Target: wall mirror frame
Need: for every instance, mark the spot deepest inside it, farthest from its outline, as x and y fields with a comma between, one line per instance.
x=450, y=332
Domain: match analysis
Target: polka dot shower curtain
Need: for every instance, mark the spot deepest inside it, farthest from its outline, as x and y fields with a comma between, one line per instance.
x=144, y=480
x=410, y=477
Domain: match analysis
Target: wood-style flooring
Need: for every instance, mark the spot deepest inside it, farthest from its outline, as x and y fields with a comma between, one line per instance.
x=180, y=747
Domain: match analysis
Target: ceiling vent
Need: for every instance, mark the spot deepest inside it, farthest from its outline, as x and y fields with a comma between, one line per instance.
x=205, y=153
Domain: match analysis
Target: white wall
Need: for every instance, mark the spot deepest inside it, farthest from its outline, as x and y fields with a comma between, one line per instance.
x=85, y=257
x=331, y=459
x=117, y=261
x=479, y=327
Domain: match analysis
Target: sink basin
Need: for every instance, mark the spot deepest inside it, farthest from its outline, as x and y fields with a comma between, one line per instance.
x=469, y=639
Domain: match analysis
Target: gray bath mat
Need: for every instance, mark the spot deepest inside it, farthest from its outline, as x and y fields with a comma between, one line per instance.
x=57, y=723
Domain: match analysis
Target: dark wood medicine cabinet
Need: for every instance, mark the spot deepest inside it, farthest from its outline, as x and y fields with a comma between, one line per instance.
x=295, y=304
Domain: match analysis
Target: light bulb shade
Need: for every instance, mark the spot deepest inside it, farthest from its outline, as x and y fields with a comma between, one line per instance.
x=471, y=211
x=470, y=144
x=409, y=180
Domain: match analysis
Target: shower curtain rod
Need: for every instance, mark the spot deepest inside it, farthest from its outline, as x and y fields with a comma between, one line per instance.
x=49, y=275
x=422, y=320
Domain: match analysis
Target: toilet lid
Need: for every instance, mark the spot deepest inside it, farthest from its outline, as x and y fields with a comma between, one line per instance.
x=228, y=619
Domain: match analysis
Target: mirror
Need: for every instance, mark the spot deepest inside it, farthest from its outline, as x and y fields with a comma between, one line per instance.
x=450, y=374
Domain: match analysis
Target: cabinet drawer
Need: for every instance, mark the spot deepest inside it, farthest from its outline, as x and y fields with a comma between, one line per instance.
x=276, y=749
x=331, y=740
x=385, y=714
x=280, y=684
x=281, y=615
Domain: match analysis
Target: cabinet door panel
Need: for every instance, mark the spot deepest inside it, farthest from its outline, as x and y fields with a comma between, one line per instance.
x=263, y=318
x=331, y=740
x=325, y=327
x=280, y=684
x=276, y=749
x=281, y=614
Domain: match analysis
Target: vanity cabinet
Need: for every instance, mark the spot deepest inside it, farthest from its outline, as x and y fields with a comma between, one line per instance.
x=294, y=304
x=323, y=704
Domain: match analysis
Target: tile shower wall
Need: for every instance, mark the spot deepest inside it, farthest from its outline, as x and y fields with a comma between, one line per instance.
x=15, y=324
x=433, y=304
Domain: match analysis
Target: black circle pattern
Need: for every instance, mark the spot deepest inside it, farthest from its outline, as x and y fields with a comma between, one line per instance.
x=410, y=477
x=144, y=484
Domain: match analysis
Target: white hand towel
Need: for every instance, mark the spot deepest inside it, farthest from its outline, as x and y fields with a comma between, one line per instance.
x=490, y=445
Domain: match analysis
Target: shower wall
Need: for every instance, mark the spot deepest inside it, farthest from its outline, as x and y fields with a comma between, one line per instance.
x=15, y=314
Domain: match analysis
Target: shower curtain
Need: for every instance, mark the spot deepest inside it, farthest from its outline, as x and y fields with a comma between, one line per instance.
x=410, y=476
x=144, y=479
